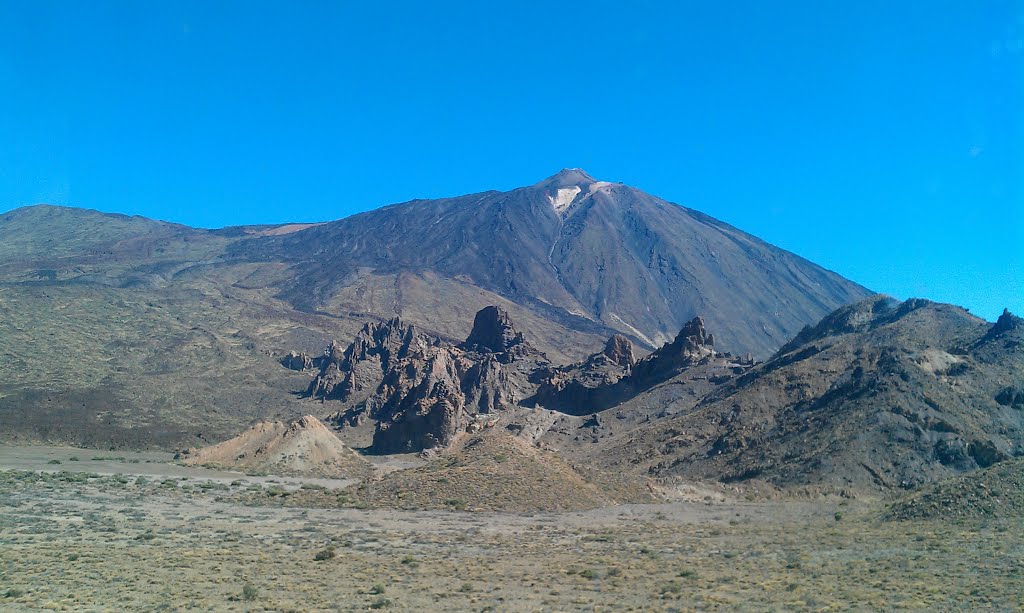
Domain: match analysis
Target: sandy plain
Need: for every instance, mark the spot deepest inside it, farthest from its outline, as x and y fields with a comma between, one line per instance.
x=133, y=531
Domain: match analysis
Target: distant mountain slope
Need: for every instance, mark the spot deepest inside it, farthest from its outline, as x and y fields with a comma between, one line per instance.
x=125, y=331
x=878, y=395
x=593, y=256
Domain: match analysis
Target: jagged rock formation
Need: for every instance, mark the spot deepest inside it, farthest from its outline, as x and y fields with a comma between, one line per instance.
x=690, y=346
x=421, y=392
x=298, y=360
x=1006, y=324
x=352, y=374
x=588, y=386
x=619, y=350
x=878, y=395
x=304, y=447
x=427, y=392
x=613, y=376
x=493, y=332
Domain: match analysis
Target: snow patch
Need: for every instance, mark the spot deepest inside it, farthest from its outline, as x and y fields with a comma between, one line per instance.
x=564, y=197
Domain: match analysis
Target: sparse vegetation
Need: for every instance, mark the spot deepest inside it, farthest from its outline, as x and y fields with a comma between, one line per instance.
x=249, y=592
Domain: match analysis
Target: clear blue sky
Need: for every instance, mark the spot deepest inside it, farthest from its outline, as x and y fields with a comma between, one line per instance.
x=883, y=140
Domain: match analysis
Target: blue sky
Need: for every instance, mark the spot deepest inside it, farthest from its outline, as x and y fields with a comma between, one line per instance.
x=882, y=140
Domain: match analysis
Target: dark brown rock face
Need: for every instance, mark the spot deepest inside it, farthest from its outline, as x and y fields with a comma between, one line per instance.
x=608, y=378
x=297, y=361
x=691, y=345
x=492, y=332
x=619, y=350
x=355, y=372
x=420, y=404
x=422, y=392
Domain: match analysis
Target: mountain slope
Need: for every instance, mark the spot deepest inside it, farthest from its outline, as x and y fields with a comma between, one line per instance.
x=124, y=331
x=593, y=256
x=879, y=395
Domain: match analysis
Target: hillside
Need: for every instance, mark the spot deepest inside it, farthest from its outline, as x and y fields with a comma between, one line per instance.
x=995, y=492
x=878, y=396
x=128, y=332
x=492, y=471
x=302, y=447
x=592, y=256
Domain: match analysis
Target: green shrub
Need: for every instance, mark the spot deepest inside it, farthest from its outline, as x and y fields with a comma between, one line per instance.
x=325, y=554
x=249, y=592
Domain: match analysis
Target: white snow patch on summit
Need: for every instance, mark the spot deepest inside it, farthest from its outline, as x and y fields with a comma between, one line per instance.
x=564, y=197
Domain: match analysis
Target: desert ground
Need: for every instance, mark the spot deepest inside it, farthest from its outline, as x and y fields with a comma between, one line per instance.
x=82, y=530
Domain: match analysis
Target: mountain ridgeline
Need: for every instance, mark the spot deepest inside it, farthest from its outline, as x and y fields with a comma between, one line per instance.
x=592, y=256
x=633, y=338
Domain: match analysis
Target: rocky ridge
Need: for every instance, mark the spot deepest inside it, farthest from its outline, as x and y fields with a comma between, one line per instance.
x=613, y=376
x=421, y=393
x=880, y=395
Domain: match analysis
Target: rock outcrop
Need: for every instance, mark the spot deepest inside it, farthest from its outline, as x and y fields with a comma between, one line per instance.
x=690, y=346
x=352, y=374
x=880, y=395
x=422, y=392
x=612, y=376
x=619, y=350
x=493, y=332
x=296, y=360
x=432, y=396
x=1007, y=322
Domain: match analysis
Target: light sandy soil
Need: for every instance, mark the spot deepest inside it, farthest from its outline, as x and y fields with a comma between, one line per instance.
x=87, y=539
x=302, y=447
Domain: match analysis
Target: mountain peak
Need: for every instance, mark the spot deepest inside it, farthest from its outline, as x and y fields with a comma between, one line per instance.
x=563, y=187
x=567, y=177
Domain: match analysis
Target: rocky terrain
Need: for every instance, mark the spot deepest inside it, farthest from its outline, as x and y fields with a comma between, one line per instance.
x=879, y=395
x=120, y=533
x=128, y=332
x=493, y=470
x=592, y=256
x=572, y=395
x=995, y=492
x=420, y=392
x=303, y=447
